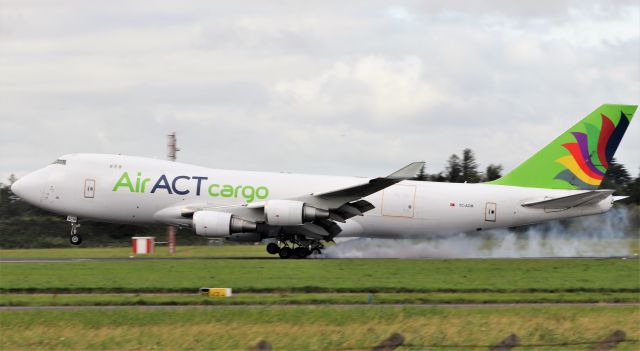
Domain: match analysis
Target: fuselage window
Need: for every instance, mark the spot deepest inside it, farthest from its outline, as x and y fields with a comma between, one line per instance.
x=59, y=162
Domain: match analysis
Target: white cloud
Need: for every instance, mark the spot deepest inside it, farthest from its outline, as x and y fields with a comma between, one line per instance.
x=392, y=91
x=339, y=88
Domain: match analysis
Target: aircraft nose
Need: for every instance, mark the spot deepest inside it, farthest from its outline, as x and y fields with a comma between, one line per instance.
x=18, y=187
x=27, y=188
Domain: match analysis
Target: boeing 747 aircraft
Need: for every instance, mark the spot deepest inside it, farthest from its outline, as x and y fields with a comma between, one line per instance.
x=300, y=212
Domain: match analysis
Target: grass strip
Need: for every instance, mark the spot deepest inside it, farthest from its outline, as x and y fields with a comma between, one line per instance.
x=316, y=328
x=375, y=275
x=314, y=298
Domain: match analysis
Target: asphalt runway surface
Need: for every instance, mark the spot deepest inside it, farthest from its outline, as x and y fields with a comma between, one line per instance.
x=121, y=259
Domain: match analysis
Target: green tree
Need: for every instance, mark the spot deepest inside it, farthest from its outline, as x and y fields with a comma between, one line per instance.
x=453, y=172
x=616, y=178
x=438, y=177
x=493, y=172
x=469, y=167
x=633, y=190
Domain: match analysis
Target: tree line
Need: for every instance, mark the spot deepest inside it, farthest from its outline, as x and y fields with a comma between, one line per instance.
x=24, y=225
x=465, y=169
x=462, y=169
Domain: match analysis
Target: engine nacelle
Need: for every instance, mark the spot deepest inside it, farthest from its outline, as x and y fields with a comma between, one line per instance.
x=220, y=224
x=290, y=212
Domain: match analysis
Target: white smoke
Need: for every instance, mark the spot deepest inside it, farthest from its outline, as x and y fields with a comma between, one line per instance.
x=606, y=235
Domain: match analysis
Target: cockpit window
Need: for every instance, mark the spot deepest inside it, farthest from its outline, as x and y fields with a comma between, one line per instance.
x=59, y=162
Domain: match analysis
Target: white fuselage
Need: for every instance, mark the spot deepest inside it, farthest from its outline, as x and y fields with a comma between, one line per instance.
x=92, y=186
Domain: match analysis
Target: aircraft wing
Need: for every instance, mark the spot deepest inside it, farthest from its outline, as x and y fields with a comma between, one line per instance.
x=336, y=198
x=342, y=204
x=581, y=199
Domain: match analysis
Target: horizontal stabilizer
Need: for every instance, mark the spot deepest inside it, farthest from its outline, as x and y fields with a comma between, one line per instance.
x=582, y=199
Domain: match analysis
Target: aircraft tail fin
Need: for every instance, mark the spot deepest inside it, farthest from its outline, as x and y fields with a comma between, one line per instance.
x=579, y=158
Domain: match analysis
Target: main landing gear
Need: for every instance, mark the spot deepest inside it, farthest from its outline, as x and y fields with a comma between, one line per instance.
x=295, y=248
x=74, y=237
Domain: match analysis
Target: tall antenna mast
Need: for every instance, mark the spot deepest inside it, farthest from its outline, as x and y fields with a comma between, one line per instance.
x=172, y=150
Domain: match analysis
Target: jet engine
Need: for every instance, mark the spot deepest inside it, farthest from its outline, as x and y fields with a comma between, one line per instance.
x=290, y=212
x=220, y=224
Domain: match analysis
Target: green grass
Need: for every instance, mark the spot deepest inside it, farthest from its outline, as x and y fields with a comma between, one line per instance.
x=312, y=298
x=273, y=282
x=313, y=328
x=374, y=275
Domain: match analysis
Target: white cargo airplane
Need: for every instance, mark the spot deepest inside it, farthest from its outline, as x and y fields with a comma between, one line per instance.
x=300, y=212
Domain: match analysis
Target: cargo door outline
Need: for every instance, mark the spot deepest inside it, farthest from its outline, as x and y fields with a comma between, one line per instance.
x=89, y=188
x=398, y=201
x=490, y=210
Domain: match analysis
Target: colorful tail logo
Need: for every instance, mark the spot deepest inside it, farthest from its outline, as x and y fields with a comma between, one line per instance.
x=591, y=153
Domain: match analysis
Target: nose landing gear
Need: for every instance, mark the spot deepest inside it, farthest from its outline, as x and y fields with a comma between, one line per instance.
x=74, y=238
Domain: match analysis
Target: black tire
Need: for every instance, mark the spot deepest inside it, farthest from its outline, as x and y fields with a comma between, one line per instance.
x=75, y=239
x=273, y=248
x=301, y=252
x=285, y=252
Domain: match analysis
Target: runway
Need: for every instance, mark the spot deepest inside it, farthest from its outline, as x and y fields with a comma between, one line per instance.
x=131, y=259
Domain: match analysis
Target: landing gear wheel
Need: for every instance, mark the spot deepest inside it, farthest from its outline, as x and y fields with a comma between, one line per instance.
x=75, y=239
x=285, y=252
x=273, y=248
x=301, y=252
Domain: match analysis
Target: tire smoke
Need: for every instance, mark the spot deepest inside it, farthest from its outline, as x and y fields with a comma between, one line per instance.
x=611, y=234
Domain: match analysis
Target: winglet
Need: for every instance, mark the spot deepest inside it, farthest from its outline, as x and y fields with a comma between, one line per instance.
x=407, y=172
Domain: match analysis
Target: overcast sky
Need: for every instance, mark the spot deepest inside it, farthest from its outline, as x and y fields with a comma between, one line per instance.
x=335, y=87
